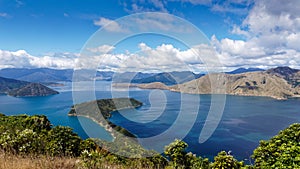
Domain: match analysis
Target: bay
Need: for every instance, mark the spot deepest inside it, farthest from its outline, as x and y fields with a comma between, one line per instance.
x=245, y=120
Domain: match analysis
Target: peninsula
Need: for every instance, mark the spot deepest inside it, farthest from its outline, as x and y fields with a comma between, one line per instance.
x=100, y=112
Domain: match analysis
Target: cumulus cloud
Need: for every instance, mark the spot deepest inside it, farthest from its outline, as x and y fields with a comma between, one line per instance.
x=272, y=31
x=109, y=25
x=22, y=59
x=164, y=57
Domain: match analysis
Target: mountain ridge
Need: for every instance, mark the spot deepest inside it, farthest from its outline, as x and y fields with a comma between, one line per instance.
x=260, y=83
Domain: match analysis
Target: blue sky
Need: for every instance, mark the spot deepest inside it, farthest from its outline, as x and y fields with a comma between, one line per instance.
x=245, y=33
x=64, y=25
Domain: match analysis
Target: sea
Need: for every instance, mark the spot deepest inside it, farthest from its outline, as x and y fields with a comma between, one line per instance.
x=166, y=115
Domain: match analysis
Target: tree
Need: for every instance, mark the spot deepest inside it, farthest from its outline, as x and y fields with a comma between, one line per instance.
x=179, y=158
x=176, y=152
x=226, y=161
x=281, y=151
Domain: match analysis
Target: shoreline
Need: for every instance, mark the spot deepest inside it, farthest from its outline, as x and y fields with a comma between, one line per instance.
x=107, y=127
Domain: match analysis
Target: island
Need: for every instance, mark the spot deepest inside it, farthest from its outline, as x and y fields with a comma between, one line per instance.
x=18, y=88
x=101, y=110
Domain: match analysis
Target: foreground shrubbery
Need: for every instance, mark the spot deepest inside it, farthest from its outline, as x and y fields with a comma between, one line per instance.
x=34, y=137
x=281, y=151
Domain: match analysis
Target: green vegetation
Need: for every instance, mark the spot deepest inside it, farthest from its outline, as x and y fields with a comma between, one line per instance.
x=32, y=138
x=225, y=160
x=281, y=151
x=33, y=135
x=179, y=158
x=105, y=106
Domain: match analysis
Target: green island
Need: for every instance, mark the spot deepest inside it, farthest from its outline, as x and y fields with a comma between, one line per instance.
x=100, y=111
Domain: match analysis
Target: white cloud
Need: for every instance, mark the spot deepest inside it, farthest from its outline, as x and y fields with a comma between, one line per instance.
x=21, y=59
x=232, y=6
x=137, y=6
x=102, y=49
x=4, y=15
x=272, y=31
x=164, y=57
x=109, y=25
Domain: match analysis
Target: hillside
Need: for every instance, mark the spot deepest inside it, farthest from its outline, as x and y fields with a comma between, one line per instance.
x=32, y=89
x=278, y=83
x=10, y=84
x=19, y=88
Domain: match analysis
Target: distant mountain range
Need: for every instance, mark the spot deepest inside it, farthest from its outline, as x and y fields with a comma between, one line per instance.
x=19, y=88
x=279, y=83
x=48, y=76
x=41, y=75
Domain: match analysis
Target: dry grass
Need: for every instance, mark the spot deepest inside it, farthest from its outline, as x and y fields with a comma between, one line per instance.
x=9, y=161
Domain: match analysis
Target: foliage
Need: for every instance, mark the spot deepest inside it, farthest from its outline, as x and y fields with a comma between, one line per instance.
x=176, y=152
x=179, y=158
x=61, y=141
x=224, y=160
x=33, y=135
x=281, y=151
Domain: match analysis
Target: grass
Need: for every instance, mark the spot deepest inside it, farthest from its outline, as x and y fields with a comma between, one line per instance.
x=10, y=161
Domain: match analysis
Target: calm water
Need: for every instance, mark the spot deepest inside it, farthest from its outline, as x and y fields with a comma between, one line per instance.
x=245, y=120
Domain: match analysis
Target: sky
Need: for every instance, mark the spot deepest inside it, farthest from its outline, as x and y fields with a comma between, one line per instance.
x=241, y=33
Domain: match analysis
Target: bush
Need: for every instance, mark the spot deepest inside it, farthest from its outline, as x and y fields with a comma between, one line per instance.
x=281, y=151
x=179, y=158
x=224, y=160
x=62, y=141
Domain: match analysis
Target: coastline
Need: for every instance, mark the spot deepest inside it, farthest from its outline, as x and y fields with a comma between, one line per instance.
x=107, y=127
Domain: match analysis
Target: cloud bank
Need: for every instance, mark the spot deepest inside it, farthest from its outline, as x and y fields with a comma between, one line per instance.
x=22, y=59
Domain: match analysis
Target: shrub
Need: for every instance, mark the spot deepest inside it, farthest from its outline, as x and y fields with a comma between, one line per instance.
x=224, y=160
x=281, y=151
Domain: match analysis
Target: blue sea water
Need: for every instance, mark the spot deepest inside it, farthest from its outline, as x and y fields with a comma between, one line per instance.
x=245, y=120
